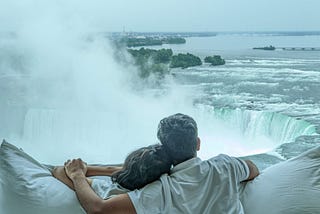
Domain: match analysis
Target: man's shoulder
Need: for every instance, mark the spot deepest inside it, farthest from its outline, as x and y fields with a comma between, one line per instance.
x=220, y=159
x=154, y=187
x=149, y=199
x=233, y=165
x=226, y=161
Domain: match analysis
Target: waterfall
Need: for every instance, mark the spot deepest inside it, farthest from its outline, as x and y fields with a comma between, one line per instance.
x=102, y=136
x=54, y=135
x=278, y=127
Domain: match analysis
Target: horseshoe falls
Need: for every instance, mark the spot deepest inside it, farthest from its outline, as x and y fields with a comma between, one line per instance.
x=277, y=127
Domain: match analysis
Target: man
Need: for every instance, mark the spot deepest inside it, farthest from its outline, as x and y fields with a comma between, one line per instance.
x=193, y=186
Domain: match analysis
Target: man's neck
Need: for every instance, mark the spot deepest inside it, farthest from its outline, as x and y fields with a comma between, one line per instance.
x=178, y=162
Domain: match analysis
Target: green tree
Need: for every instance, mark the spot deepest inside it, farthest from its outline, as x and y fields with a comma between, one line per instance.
x=215, y=60
x=185, y=61
x=150, y=61
x=162, y=56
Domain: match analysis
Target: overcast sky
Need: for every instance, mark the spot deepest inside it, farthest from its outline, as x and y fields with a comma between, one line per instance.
x=171, y=15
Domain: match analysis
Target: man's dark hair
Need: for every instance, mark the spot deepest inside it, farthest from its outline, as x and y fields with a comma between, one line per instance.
x=142, y=167
x=178, y=134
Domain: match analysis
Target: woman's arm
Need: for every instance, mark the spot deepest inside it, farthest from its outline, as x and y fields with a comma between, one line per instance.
x=59, y=173
x=89, y=200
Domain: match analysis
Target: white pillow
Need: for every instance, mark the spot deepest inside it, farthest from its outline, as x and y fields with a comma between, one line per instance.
x=29, y=188
x=291, y=187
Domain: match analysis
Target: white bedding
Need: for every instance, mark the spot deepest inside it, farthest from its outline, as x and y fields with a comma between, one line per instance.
x=29, y=188
x=291, y=187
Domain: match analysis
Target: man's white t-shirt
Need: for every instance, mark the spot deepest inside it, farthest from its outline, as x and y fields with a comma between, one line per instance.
x=195, y=187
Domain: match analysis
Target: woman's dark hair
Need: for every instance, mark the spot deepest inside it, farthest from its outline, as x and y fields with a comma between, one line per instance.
x=142, y=167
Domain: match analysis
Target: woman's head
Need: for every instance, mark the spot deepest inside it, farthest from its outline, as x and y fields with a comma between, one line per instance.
x=142, y=166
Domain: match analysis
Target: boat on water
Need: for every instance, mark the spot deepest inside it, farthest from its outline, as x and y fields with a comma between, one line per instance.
x=267, y=48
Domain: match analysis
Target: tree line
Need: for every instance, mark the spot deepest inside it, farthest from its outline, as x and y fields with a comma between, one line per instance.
x=160, y=61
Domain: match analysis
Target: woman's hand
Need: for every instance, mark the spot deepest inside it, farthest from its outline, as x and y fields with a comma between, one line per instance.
x=59, y=173
x=75, y=167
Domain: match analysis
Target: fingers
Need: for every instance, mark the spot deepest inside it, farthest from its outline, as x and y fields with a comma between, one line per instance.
x=75, y=162
x=75, y=167
x=68, y=161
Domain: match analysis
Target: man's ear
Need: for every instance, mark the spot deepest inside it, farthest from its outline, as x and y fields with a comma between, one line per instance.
x=198, y=143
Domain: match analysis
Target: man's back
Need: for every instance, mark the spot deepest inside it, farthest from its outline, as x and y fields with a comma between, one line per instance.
x=195, y=186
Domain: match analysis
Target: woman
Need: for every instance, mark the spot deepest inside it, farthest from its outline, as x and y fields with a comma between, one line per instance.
x=140, y=168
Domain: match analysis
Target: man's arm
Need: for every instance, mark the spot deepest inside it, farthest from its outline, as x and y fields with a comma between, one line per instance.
x=244, y=170
x=102, y=170
x=89, y=200
x=254, y=171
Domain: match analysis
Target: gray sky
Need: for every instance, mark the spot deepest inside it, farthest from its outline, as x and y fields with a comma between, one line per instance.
x=170, y=15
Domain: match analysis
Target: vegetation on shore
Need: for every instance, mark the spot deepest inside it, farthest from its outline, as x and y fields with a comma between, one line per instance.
x=185, y=61
x=215, y=60
x=157, y=56
x=174, y=40
x=150, y=61
x=159, y=62
x=150, y=41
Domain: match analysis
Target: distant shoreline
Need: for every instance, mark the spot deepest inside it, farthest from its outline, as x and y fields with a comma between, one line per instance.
x=217, y=33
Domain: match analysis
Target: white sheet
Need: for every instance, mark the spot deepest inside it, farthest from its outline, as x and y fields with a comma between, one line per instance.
x=29, y=187
x=290, y=187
